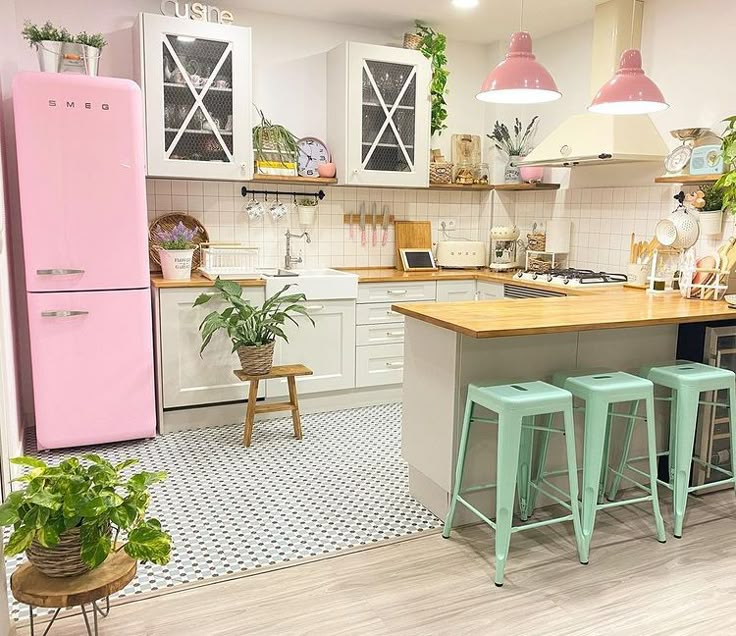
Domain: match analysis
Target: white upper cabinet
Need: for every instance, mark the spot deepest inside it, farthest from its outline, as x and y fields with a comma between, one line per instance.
x=378, y=114
x=196, y=79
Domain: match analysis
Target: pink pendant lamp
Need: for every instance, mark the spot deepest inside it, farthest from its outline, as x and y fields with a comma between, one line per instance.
x=519, y=79
x=630, y=91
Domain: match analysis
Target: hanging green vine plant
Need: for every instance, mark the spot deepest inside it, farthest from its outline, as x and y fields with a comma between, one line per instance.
x=434, y=48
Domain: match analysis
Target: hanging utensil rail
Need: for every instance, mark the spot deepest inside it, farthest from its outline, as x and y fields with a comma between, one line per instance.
x=245, y=191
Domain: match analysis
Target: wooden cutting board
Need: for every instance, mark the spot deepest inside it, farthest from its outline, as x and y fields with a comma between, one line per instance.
x=465, y=149
x=412, y=234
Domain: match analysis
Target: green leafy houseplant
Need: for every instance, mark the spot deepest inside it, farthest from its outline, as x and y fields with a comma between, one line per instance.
x=727, y=183
x=273, y=143
x=35, y=34
x=713, y=198
x=249, y=327
x=93, y=495
x=434, y=48
x=307, y=203
x=95, y=39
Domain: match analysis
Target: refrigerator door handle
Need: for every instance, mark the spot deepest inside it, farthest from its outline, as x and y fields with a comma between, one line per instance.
x=58, y=272
x=63, y=314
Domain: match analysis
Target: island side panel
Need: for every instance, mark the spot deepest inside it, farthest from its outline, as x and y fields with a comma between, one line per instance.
x=430, y=392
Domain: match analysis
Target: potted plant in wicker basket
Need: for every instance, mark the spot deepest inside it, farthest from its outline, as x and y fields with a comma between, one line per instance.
x=252, y=330
x=176, y=249
x=70, y=517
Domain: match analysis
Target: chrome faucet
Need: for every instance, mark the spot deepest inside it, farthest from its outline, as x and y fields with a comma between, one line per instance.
x=289, y=260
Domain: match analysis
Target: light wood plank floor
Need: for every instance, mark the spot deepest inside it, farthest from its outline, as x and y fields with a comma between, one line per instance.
x=430, y=586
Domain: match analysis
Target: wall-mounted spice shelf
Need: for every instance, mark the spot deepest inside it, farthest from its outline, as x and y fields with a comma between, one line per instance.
x=458, y=187
x=521, y=187
x=268, y=178
x=689, y=178
x=354, y=219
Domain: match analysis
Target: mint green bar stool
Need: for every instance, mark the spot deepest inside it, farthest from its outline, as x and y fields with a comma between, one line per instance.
x=517, y=406
x=686, y=380
x=601, y=391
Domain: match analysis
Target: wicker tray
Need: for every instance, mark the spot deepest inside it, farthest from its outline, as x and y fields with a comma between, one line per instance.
x=168, y=222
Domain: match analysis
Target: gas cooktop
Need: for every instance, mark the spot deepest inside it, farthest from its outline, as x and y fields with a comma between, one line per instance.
x=573, y=277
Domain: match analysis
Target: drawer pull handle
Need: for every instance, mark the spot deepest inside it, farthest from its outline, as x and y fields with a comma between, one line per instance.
x=58, y=272
x=395, y=334
x=392, y=313
x=63, y=314
x=314, y=307
x=395, y=365
x=396, y=292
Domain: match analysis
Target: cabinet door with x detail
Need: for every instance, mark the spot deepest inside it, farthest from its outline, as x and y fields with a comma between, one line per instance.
x=197, y=83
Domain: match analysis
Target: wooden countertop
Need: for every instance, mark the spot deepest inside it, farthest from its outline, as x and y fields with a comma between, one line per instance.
x=606, y=310
x=386, y=275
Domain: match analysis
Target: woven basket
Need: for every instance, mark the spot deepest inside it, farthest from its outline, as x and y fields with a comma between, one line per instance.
x=412, y=41
x=440, y=172
x=537, y=242
x=61, y=561
x=168, y=222
x=257, y=360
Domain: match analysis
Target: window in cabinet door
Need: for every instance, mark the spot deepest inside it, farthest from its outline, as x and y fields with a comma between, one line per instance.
x=198, y=99
x=389, y=118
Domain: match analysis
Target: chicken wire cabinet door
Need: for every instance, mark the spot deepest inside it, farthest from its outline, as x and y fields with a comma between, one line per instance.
x=196, y=78
x=379, y=115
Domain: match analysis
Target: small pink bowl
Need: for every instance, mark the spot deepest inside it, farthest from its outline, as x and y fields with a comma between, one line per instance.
x=531, y=174
x=326, y=170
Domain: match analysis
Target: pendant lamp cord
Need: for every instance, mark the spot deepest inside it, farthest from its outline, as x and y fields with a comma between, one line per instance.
x=521, y=16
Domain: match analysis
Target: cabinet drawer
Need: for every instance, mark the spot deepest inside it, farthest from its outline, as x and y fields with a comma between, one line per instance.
x=396, y=292
x=379, y=364
x=376, y=314
x=455, y=290
x=379, y=334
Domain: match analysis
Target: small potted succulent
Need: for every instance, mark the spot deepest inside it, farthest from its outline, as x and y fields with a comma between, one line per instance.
x=176, y=248
x=252, y=330
x=306, y=209
x=70, y=517
x=58, y=50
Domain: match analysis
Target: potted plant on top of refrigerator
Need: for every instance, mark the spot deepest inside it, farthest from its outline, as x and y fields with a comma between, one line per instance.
x=58, y=50
x=70, y=517
x=252, y=330
x=176, y=247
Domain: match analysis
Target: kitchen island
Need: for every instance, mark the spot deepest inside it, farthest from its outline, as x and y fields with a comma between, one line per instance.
x=450, y=345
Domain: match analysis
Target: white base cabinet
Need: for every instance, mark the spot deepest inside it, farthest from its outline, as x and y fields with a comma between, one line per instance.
x=328, y=349
x=377, y=365
x=186, y=379
x=456, y=290
x=489, y=291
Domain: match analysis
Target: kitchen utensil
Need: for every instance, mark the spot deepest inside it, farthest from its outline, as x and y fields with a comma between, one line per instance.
x=631, y=248
x=666, y=232
x=169, y=222
x=361, y=223
x=411, y=234
x=386, y=216
x=704, y=263
x=351, y=227
x=374, y=214
x=686, y=224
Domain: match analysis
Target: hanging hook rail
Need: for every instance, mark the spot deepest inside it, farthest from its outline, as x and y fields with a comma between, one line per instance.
x=245, y=191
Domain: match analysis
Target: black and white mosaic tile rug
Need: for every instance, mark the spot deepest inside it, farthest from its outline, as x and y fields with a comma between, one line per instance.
x=230, y=509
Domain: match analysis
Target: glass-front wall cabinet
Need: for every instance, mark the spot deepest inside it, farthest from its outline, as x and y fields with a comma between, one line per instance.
x=197, y=87
x=379, y=115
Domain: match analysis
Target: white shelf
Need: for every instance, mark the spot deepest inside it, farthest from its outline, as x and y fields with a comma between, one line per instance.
x=211, y=88
x=189, y=131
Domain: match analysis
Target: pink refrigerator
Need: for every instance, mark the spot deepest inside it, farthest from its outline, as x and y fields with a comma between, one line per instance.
x=85, y=247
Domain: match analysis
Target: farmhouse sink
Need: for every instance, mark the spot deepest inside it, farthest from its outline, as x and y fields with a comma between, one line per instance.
x=315, y=284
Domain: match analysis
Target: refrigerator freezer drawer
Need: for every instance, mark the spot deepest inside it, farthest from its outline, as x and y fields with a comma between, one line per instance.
x=82, y=182
x=92, y=357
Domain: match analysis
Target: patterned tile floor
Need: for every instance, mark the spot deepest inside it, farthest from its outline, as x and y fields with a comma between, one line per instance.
x=231, y=509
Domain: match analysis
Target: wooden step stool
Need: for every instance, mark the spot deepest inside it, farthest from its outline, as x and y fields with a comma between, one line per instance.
x=288, y=371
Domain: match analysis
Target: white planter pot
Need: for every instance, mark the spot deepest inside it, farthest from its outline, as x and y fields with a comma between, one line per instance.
x=711, y=223
x=306, y=214
x=176, y=264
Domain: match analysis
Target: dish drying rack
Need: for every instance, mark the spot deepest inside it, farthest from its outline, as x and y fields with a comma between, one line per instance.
x=229, y=261
x=713, y=287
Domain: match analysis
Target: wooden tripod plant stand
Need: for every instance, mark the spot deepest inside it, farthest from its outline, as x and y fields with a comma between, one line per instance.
x=288, y=371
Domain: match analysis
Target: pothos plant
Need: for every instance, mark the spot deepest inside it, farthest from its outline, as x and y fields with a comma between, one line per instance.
x=727, y=183
x=248, y=325
x=91, y=494
x=270, y=139
x=434, y=48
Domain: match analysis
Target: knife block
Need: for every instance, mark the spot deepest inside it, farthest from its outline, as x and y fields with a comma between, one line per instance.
x=411, y=235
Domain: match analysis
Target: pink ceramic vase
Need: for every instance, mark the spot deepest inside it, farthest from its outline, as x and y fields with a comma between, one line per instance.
x=326, y=170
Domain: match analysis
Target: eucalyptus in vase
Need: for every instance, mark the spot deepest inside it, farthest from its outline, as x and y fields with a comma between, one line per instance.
x=515, y=147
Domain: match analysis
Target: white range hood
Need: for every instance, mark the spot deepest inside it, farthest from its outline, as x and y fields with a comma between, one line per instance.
x=593, y=139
